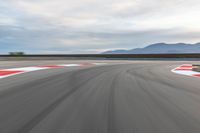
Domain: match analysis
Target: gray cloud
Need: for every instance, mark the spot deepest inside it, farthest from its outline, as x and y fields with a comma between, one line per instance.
x=89, y=26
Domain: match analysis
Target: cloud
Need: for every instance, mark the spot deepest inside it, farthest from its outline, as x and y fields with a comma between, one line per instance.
x=89, y=26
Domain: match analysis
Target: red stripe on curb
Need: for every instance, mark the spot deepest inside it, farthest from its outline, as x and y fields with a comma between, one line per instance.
x=5, y=73
x=186, y=69
x=196, y=75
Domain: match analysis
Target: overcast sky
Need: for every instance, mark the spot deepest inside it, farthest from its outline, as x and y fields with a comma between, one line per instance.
x=93, y=26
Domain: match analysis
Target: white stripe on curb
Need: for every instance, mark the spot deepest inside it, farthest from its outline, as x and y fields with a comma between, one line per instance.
x=69, y=65
x=26, y=69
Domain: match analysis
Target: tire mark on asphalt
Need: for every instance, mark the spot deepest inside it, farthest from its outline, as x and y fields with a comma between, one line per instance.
x=169, y=112
x=32, y=123
x=111, y=106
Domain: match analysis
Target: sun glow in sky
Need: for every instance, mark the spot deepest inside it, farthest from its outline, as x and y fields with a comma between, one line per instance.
x=93, y=26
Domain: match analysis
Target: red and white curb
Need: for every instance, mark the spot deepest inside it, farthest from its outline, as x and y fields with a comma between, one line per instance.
x=186, y=69
x=14, y=71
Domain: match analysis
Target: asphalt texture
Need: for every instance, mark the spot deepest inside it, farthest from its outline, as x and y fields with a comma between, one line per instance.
x=134, y=97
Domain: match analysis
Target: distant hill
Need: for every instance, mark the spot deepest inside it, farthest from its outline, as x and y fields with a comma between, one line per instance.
x=161, y=48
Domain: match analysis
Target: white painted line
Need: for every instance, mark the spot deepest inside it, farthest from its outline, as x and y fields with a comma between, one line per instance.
x=185, y=72
x=69, y=65
x=28, y=69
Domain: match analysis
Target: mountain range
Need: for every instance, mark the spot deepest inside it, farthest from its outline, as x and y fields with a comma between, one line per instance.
x=161, y=48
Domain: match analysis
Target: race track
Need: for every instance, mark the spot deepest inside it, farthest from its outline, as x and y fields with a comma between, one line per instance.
x=129, y=97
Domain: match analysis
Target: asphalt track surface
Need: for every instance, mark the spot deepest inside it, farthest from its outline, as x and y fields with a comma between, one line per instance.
x=134, y=97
